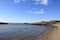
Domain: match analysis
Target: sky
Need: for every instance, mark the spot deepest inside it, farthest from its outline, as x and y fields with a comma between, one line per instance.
x=21, y=11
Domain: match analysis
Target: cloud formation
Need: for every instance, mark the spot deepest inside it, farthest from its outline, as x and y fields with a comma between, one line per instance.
x=41, y=11
x=43, y=2
x=17, y=1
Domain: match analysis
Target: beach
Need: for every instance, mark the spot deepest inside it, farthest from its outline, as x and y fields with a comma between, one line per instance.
x=29, y=32
x=53, y=34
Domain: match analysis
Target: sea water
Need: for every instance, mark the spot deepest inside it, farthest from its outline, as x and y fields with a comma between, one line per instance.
x=18, y=31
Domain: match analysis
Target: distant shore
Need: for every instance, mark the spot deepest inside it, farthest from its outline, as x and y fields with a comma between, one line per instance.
x=3, y=23
x=44, y=23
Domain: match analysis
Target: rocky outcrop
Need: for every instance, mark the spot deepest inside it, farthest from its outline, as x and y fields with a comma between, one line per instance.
x=3, y=23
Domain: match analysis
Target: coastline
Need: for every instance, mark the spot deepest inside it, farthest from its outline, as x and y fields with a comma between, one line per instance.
x=53, y=34
x=3, y=23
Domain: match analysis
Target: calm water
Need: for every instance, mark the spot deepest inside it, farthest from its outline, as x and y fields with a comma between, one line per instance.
x=22, y=31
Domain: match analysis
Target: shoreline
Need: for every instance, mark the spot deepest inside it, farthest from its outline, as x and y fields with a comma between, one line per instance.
x=53, y=34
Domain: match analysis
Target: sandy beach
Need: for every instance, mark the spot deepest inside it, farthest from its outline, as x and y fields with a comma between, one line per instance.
x=53, y=34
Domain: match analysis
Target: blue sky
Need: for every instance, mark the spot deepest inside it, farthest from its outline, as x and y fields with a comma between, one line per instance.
x=29, y=10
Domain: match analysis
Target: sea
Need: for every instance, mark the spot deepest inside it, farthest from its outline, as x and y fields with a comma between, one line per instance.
x=20, y=31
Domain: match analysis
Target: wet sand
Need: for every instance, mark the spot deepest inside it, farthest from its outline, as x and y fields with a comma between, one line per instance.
x=53, y=34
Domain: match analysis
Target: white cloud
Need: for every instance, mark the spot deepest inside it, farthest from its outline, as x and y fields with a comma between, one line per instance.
x=17, y=1
x=37, y=1
x=37, y=11
x=41, y=11
x=44, y=2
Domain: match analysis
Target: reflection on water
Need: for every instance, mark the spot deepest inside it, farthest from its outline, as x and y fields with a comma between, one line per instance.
x=22, y=31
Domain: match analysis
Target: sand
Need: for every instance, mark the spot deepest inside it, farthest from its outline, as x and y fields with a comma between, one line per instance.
x=53, y=34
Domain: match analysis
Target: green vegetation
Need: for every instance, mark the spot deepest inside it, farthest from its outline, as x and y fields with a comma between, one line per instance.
x=46, y=23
